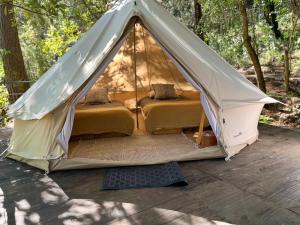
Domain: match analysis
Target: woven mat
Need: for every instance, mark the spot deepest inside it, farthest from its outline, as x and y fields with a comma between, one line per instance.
x=134, y=148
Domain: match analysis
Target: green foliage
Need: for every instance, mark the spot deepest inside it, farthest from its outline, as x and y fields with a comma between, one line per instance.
x=182, y=10
x=1, y=69
x=3, y=98
x=222, y=27
x=59, y=39
x=265, y=119
x=295, y=119
x=53, y=28
x=3, y=105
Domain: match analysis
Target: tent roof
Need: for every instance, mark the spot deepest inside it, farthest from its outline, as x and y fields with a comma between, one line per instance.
x=220, y=80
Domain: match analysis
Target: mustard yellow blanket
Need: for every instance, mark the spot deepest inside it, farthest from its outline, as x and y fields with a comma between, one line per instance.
x=106, y=118
x=167, y=114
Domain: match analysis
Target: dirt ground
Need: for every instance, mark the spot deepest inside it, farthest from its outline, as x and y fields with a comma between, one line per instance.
x=283, y=115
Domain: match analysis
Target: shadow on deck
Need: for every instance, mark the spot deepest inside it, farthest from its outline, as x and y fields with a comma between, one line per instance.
x=261, y=185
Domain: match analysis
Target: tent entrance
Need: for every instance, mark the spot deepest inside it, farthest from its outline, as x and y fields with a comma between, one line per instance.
x=138, y=65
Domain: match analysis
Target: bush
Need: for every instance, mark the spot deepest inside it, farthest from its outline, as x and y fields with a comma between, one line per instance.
x=265, y=119
x=295, y=118
x=3, y=105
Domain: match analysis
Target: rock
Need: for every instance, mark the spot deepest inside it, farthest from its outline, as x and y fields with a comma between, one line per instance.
x=293, y=117
x=252, y=78
x=283, y=117
x=276, y=117
x=277, y=83
x=249, y=71
x=266, y=69
x=289, y=101
x=242, y=70
x=295, y=100
x=295, y=84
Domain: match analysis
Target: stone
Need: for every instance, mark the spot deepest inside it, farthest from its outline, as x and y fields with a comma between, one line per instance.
x=295, y=84
x=295, y=100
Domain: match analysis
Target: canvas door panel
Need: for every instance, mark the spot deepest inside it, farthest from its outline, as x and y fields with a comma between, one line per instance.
x=240, y=125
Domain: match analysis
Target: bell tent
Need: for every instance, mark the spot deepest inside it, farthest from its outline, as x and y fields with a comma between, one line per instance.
x=134, y=45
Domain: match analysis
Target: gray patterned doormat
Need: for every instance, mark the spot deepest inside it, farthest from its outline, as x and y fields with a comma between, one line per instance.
x=161, y=175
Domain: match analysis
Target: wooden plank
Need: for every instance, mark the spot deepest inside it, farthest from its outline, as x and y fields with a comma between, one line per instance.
x=239, y=207
x=160, y=214
x=296, y=209
x=288, y=196
x=10, y=169
x=199, y=220
x=258, y=186
x=201, y=128
x=215, y=198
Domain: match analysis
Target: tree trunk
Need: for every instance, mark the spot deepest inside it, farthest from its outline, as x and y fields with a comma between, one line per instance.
x=270, y=15
x=286, y=70
x=198, y=16
x=251, y=51
x=13, y=62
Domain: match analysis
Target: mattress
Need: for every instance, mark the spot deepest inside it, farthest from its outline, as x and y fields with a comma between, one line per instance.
x=169, y=114
x=105, y=118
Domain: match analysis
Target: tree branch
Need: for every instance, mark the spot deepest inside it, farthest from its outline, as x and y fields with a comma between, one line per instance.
x=25, y=9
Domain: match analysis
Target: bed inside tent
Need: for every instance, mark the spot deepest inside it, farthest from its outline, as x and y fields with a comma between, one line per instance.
x=131, y=126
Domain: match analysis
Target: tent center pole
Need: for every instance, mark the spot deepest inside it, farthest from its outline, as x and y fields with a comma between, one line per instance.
x=135, y=78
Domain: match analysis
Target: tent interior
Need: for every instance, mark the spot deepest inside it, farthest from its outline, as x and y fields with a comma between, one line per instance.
x=133, y=125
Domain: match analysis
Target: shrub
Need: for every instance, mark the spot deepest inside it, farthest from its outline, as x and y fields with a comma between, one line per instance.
x=265, y=119
x=3, y=105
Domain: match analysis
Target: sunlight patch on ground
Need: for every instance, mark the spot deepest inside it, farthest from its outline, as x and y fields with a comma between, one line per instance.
x=86, y=211
x=53, y=194
x=196, y=220
x=167, y=216
x=81, y=211
x=23, y=205
x=23, y=214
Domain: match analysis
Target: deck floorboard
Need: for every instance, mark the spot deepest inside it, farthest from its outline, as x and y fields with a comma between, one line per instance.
x=261, y=185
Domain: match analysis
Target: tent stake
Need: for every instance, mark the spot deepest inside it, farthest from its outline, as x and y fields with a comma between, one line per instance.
x=135, y=80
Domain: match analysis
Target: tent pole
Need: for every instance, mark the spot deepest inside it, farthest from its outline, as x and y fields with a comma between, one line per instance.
x=135, y=80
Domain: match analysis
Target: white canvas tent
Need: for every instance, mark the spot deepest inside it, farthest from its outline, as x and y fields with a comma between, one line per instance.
x=43, y=116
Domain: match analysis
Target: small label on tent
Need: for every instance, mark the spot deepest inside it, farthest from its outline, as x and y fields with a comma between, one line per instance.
x=239, y=134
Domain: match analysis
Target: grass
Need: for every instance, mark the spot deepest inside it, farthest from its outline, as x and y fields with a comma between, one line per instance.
x=265, y=119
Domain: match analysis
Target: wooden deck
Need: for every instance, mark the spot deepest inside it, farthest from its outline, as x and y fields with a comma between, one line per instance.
x=261, y=186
